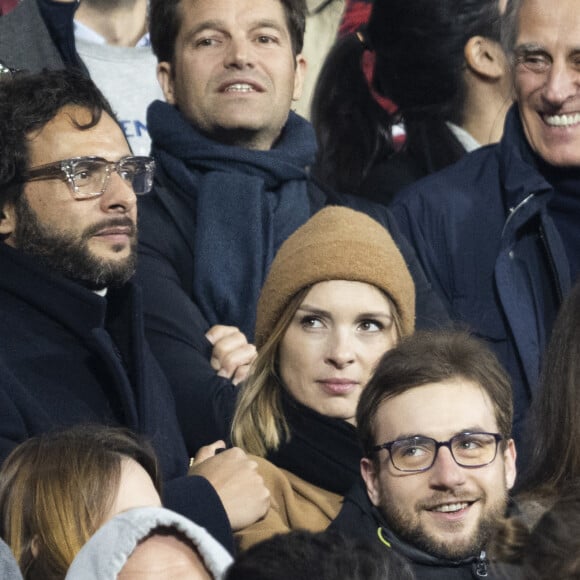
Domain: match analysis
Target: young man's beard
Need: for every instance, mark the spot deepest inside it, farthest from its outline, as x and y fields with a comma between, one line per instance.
x=412, y=532
x=69, y=254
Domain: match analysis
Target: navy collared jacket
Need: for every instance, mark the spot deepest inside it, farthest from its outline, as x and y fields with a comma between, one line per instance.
x=484, y=236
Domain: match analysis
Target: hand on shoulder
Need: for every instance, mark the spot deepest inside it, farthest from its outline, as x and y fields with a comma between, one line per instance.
x=232, y=354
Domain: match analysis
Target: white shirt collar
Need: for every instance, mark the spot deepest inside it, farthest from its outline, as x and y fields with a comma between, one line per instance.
x=84, y=32
x=466, y=139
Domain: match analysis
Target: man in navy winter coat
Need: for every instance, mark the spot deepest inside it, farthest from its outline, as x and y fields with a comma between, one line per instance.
x=72, y=346
x=497, y=233
x=232, y=184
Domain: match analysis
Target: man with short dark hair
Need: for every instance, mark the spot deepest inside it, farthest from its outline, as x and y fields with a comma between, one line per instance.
x=72, y=346
x=232, y=184
x=497, y=233
x=435, y=423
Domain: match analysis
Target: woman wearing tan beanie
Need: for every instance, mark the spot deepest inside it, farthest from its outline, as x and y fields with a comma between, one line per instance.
x=338, y=295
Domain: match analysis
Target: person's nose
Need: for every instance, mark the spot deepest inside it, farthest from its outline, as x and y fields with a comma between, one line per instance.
x=118, y=196
x=340, y=347
x=445, y=473
x=239, y=53
x=562, y=83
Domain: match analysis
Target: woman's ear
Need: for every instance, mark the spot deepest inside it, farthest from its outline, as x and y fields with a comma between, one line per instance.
x=485, y=57
x=35, y=546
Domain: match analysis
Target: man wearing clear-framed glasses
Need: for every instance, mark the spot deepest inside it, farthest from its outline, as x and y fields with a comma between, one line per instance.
x=72, y=344
x=97, y=246
x=435, y=424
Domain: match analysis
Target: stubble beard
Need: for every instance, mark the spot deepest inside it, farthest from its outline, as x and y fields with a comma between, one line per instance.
x=69, y=254
x=409, y=528
x=244, y=138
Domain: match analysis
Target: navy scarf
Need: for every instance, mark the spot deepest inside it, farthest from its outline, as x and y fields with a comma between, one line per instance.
x=246, y=203
x=564, y=208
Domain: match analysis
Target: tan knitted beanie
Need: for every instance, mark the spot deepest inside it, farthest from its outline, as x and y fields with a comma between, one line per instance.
x=336, y=243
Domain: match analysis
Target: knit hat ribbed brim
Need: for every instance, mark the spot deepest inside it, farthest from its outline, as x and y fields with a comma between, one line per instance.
x=336, y=243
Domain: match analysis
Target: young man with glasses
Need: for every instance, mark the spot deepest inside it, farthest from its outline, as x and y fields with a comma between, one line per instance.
x=72, y=344
x=435, y=424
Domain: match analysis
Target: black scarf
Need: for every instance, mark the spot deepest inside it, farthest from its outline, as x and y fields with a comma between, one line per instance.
x=564, y=207
x=246, y=203
x=322, y=450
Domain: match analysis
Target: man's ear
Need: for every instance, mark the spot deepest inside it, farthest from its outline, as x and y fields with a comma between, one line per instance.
x=7, y=222
x=371, y=479
x=510, y=455
x=485, y=58
x=299, y=76
x=165, y=80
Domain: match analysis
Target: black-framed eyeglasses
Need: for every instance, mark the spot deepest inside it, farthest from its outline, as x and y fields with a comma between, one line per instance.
x=418, y=453
x=88, y=177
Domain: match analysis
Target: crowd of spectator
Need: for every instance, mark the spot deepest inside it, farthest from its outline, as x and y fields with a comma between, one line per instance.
x=235, y=344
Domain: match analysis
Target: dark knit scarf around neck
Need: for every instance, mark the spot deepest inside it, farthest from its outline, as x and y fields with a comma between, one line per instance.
x=564, y=207
x=246, y=204
x=322, y=450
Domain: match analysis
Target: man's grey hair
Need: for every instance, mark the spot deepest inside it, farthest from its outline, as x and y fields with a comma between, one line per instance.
x=510, y=26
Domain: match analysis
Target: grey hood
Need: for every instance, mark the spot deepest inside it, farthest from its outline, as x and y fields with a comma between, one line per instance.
x=105, y=554
x=9, y=569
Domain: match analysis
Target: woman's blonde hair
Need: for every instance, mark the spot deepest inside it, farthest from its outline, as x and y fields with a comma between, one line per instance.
x=259, y=424
x=56, y=490
x=337, y=243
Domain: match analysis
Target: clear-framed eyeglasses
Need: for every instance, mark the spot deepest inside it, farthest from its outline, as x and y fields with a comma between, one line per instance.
x=7, y=72
x=88, y=177
x=418, y=453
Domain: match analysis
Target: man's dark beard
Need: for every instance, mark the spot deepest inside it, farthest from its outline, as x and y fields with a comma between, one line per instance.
x=70, y=255
x=406, y=530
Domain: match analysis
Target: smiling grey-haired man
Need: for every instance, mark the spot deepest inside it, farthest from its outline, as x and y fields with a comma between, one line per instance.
x=497, y=233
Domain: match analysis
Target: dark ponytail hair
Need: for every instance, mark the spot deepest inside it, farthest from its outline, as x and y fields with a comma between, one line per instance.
x=419, y=65
x=352, y=129
x=419, y=46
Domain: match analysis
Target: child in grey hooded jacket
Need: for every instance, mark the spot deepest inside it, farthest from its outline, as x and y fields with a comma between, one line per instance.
x=116, y=543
